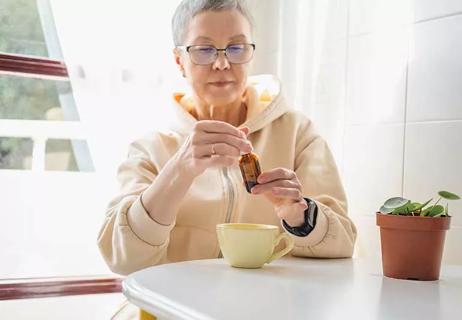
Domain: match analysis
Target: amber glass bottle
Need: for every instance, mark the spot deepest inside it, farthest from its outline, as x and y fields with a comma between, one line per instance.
x=250, y=169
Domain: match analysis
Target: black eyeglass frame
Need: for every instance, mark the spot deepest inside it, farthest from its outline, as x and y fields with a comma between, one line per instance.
x=187, y=48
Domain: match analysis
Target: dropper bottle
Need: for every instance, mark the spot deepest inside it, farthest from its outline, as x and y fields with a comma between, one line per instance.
x=250, y=170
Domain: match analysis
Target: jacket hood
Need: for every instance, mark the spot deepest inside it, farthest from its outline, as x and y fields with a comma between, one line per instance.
x=263, y=97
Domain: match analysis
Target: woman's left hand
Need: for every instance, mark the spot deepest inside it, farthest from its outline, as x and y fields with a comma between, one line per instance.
x=282, y=187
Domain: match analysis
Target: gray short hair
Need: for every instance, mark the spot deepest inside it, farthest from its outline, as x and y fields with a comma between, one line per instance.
x=188, y=9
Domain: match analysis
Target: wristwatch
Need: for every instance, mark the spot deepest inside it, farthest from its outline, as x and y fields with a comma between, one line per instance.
x=308, y=225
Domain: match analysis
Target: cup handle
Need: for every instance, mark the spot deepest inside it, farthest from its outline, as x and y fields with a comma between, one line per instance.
x=289, y=246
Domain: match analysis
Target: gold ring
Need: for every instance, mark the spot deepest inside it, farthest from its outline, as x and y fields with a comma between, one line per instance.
x=213, y=149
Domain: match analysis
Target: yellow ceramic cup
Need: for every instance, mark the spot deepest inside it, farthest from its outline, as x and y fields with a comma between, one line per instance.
x=246, y=245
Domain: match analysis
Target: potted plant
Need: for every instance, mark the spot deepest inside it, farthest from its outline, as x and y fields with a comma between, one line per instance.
x=412, y=236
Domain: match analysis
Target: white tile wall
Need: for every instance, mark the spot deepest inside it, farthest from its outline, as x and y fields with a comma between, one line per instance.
x=328, y=97
x=377, y=77
x=435, y=66
x=374, y=15
x=426, y=106
x=368, y=239
x=433, y=162
x=428, y=9
x=372, y=165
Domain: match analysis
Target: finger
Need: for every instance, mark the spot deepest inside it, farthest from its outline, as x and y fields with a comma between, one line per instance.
x=287, y=193
x=276, y=174
x=211, y=138
x=213, y=126
x=208, y=150
x=245, y=130
x=267, y=187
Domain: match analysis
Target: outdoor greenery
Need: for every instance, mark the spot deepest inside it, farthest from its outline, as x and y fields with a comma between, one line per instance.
x=20, y=28
x=28, y=98
x=13, y=152
x=21, y=97
x=21, y=32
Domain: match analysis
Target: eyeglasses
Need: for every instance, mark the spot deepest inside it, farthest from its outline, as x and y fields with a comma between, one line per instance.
x=235, y=53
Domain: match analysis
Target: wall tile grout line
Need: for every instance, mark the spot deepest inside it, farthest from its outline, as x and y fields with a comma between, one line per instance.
x=449, y=15
x=391, y=123
x=435, y=121
x=406, y=86
x=406, y=25
x=345, y=86
x=379, y=31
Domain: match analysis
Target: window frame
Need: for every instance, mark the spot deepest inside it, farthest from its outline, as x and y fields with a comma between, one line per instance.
x=13, y=289
x=41, y=67
x=23, y=65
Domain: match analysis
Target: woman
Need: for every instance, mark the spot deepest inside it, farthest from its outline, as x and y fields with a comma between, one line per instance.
x=176, y=186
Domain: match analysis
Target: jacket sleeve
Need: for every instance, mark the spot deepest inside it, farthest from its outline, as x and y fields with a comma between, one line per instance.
x=129, y=239
x=334, y=235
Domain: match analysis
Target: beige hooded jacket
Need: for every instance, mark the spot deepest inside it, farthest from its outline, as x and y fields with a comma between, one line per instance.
x=130, y=240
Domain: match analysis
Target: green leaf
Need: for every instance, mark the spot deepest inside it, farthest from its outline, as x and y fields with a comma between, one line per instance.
x=414, y=205
x=436, y=210
x=406, y=209
x=396, y=202
x=448, y=195
x=422, y=205
x=425, y=212
x=385, y=210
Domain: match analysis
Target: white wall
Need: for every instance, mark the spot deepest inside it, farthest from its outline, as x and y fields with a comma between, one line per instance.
x=404, y=133
x=385, y=93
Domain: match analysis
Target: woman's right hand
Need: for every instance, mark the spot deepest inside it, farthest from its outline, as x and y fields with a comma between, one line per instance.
x=212, y=144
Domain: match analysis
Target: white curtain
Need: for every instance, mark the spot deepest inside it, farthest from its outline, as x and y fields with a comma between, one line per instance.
x=304, y=44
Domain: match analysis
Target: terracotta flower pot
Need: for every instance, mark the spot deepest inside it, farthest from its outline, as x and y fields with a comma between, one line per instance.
x=412, y=247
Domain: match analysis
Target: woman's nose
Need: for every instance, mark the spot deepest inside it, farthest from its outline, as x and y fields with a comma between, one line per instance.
x=221, y=62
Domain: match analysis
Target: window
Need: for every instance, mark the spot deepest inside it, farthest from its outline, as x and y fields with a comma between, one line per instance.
x=73, y=95
x=34, y=89
x=47, y=172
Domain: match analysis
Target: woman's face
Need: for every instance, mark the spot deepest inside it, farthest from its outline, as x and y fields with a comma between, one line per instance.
x=221, y=82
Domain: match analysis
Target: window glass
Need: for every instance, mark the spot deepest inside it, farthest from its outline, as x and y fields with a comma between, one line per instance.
x=36, y=99
x=68, y=155
x=21, y=29
x=15, y=153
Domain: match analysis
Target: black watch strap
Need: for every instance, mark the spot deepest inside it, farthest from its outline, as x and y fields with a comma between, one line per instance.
x=308, y=225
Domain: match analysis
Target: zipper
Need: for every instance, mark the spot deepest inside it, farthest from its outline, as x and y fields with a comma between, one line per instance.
x=230, y=188
x=229, y=183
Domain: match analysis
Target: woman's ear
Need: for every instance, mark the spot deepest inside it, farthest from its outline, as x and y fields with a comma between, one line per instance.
x=177, y=56
x=179, y=60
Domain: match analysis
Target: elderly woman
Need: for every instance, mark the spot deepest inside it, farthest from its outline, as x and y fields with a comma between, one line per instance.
x=176, y=186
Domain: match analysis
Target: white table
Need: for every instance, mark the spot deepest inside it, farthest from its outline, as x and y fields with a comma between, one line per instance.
x=292, y=288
